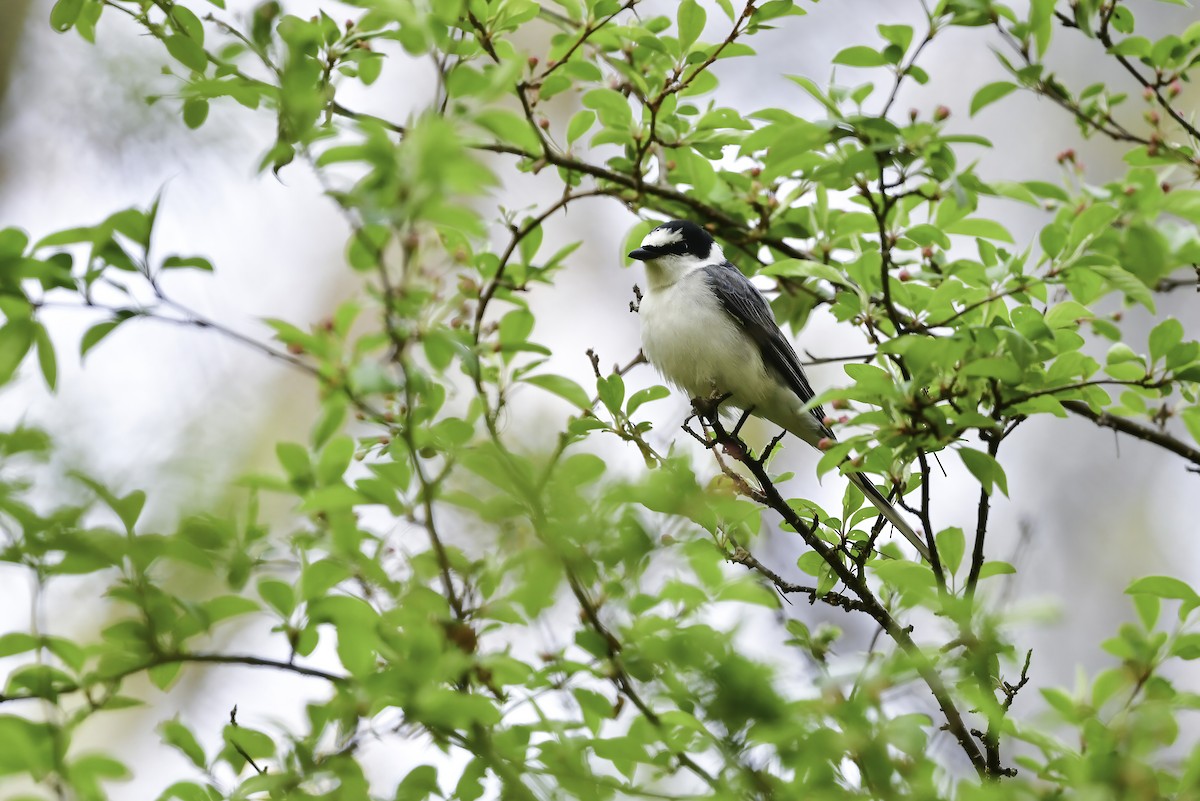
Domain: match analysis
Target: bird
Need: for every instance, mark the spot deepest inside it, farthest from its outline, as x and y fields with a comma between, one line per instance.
x=711, y=333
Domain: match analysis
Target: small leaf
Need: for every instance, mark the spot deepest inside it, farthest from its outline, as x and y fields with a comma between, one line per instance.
x=187, y=52
x=951, y=545
x=990, y=94
x=990, y=569
x=64, y=14
x=612, y=392
x=561, y=386
x=181, y=738
x=860, y=56
x=278, y=595
x=92, y=337
x=18, y=642
x=193, y=262
x=16, y=337
x=1127, y=283
x=1165, y=336
x=1163, y=587
x=195, y=112
x=129, y=508
x=334, y=460
x=580, y=124
x=979, y=227
x=163, y=676
x=644, y=396
x=985, y=468
x=691, y=23
x=46, y=358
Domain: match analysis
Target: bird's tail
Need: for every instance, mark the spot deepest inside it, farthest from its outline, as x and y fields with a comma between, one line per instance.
x=887, y=510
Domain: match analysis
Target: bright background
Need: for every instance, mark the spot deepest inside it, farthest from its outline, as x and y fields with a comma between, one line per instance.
x=180, y=412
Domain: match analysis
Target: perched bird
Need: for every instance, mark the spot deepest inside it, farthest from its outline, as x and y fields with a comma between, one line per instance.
x=711, y=333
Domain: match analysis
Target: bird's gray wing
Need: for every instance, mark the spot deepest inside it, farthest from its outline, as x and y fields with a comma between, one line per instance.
x=744, y=303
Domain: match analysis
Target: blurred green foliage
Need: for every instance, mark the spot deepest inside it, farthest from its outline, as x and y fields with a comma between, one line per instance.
x=496, y=547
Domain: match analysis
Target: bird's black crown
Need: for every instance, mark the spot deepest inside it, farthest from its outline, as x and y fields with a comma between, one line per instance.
x=677, y=237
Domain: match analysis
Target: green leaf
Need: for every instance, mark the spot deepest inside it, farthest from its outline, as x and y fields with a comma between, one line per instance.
x=979, y=227
x=91, y=337
x=420, y=783
x=985, y=468
x=454, y=710
x=278, y=595
x=1147, y=608
x=563, y=387
x=643, y=396
x=46, y=358
x=180, y=737
x=295, y=461
x=18, y=642
x=195, y=112
x=187, y=52
x=509, y=127
x=185, y=791
x=190, y=262
x=997, y=568
x=1165, y=336
x=990, y=93
x=1041, y=23
x=1191, y=419
x=612, y=107
x=334, y=460
x=29, y=747
x=64, y=14
x=515, y=327
x=163, y=676
x=1164, y=587
x=254, y=743
x=16, y=337
x=951, y=545
x=1186, y=646
x=1126, y=283
x=860, y=56
x=334, y=498
x=129, y=508
x=580, y=124
x=612, y=392
x=899, y=35
x=1091, y=221
x=691, y=23
x=1136, y=46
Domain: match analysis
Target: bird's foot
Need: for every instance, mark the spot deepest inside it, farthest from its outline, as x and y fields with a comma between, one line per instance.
x=708, y=409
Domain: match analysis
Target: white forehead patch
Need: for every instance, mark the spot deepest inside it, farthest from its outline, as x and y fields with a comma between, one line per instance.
x=661, y=237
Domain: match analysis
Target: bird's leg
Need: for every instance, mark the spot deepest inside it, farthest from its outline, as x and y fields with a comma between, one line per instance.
x=709, y=407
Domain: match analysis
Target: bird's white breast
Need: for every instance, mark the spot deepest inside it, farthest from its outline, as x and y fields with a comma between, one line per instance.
x=695, y=345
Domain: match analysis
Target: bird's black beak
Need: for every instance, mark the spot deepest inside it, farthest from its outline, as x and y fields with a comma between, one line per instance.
x=641, y=254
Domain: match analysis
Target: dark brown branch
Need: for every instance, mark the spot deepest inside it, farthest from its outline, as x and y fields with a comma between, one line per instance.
x=620, y=676
x=935, y=559
x=743, y=557
x=587, y=33
x=489, y=290
x=981, y=521
x=242, y=751
x=1105, y=38
x=172, y=659
x=1136, y=430
x=858, y=586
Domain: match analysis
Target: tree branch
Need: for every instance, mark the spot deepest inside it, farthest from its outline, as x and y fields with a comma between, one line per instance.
x=858, y=586
x=1136, y=430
